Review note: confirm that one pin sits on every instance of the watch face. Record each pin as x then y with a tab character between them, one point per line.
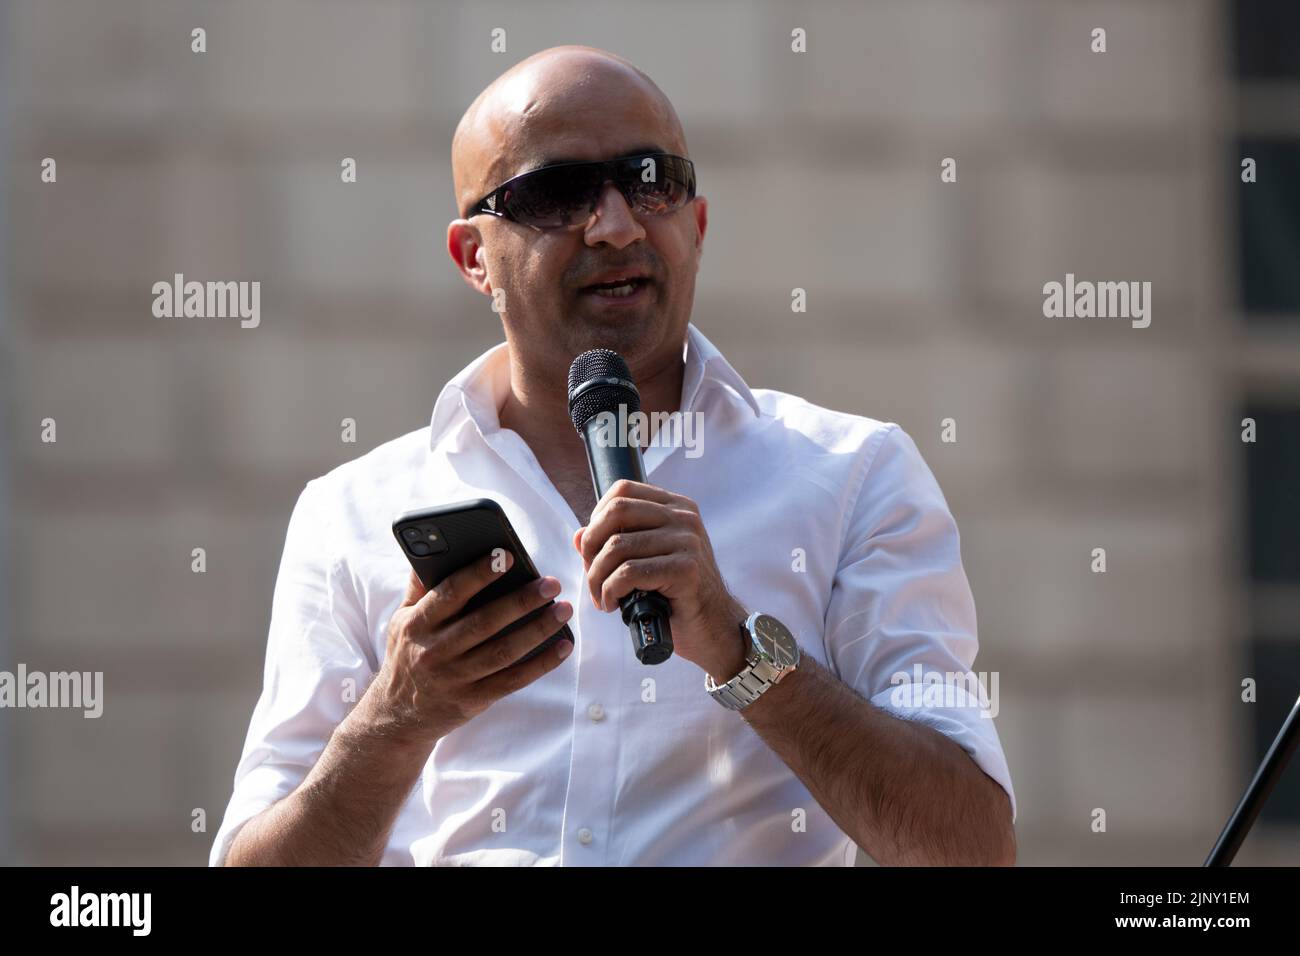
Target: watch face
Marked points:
775	641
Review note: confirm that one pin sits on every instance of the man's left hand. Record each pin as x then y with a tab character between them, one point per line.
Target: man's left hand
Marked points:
641	537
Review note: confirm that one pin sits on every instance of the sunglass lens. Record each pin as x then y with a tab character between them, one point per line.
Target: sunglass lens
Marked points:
657	184
552	197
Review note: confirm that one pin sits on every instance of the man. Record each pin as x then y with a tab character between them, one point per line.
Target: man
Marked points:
793	524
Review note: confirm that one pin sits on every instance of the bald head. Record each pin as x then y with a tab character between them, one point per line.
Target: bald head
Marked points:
564	103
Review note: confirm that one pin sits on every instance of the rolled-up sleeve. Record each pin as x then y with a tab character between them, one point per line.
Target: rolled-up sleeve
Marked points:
900	624
316	666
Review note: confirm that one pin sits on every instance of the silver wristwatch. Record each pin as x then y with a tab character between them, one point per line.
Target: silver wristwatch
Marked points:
773	653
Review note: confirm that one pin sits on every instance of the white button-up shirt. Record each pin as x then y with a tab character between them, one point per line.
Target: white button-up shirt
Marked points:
828	521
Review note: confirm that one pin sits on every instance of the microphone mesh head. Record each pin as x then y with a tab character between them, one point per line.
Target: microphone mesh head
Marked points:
596	364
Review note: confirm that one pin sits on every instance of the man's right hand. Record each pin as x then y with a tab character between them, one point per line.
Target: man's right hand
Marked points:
443	666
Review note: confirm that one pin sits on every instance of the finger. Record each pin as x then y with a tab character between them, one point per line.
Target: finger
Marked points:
664	574
627	488
448	599
520	675
500	652
415	589
626	545
490	619
621	514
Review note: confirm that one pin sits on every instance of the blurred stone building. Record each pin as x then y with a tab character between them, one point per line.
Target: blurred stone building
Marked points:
1119	691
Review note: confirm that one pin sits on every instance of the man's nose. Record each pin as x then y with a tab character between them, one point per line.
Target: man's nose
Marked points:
613	221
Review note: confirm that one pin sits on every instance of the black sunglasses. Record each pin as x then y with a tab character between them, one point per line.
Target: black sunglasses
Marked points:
566	194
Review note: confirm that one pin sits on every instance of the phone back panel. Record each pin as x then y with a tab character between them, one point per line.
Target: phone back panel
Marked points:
468	530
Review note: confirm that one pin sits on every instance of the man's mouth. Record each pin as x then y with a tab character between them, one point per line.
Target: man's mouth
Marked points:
617	288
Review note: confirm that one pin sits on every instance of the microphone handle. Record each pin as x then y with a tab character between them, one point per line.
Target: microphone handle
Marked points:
645	613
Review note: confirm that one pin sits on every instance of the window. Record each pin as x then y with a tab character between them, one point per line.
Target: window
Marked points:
1267	77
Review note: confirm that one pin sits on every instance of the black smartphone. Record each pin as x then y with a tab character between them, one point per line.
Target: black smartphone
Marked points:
438	541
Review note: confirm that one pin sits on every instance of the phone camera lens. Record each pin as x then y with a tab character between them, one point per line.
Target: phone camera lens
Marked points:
411	534
419	548
435	540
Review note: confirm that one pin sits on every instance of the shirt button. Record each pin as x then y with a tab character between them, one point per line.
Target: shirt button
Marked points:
584	836
596	712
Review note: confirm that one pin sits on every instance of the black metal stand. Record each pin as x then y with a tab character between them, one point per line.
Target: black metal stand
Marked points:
1266	778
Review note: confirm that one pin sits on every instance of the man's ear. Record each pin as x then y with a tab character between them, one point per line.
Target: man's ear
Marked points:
700	210
701	220
465	246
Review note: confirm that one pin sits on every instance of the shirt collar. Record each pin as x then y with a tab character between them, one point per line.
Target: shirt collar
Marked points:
479	389
704	363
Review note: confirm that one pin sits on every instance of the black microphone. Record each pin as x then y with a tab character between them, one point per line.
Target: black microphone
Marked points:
599	384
